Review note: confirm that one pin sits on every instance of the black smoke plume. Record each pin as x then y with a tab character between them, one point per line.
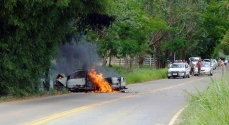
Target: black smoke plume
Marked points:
80	56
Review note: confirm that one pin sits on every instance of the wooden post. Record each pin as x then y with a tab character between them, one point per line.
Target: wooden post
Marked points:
150	61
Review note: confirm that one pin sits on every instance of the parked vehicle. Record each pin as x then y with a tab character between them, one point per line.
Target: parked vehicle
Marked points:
194	60
181	69
206	69
80	81
213	62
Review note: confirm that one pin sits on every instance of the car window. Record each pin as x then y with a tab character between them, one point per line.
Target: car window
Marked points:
206	60
186	65
177	65
205	64
214	61
194	58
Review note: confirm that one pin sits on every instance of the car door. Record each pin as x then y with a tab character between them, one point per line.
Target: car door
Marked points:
187	69
78	78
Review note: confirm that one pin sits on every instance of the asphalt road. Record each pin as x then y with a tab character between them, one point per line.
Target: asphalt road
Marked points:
150	103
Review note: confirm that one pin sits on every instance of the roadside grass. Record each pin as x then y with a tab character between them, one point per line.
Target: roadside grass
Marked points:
52	92
209	107
142	74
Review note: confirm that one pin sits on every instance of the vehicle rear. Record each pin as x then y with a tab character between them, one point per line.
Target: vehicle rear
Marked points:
194	60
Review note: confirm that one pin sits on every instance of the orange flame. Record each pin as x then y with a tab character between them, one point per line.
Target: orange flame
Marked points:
98	80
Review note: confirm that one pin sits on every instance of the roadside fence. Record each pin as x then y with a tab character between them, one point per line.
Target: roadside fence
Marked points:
147	61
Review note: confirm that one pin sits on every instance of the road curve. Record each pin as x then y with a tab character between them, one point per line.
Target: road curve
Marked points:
150	103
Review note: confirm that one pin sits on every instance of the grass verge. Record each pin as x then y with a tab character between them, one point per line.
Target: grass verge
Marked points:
209	107
52	92
142	74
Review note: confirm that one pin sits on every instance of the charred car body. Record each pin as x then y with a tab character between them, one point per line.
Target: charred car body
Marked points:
80	81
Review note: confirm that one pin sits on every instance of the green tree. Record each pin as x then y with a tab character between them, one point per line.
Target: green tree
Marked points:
223	47
127	37
216	24
183	18
30	33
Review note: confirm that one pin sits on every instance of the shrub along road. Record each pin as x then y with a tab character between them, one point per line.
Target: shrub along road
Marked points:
149	103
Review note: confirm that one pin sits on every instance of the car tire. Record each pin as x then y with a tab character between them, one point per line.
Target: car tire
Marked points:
184	76
168	77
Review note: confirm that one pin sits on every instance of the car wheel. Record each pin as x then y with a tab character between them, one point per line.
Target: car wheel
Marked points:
168	77
188	76
184	76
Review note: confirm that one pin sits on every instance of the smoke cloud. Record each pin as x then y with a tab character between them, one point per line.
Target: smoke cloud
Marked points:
80	56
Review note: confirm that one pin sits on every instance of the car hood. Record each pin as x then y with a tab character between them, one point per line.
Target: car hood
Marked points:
205	68
176	69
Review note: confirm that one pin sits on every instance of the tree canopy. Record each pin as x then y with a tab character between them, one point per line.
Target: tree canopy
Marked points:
31	32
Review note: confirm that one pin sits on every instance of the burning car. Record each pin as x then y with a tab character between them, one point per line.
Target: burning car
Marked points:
82	80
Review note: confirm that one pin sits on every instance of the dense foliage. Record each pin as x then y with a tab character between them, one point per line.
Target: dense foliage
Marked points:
30	34
31	31
216	24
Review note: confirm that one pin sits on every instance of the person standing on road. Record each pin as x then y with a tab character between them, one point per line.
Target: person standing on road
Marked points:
219	62
223	67
170	64
199	67
225	63
192	68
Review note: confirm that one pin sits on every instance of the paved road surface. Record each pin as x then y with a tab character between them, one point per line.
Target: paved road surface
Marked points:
149	103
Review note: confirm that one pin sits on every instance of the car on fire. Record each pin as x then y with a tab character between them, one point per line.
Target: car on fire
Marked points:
181	69
80	81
